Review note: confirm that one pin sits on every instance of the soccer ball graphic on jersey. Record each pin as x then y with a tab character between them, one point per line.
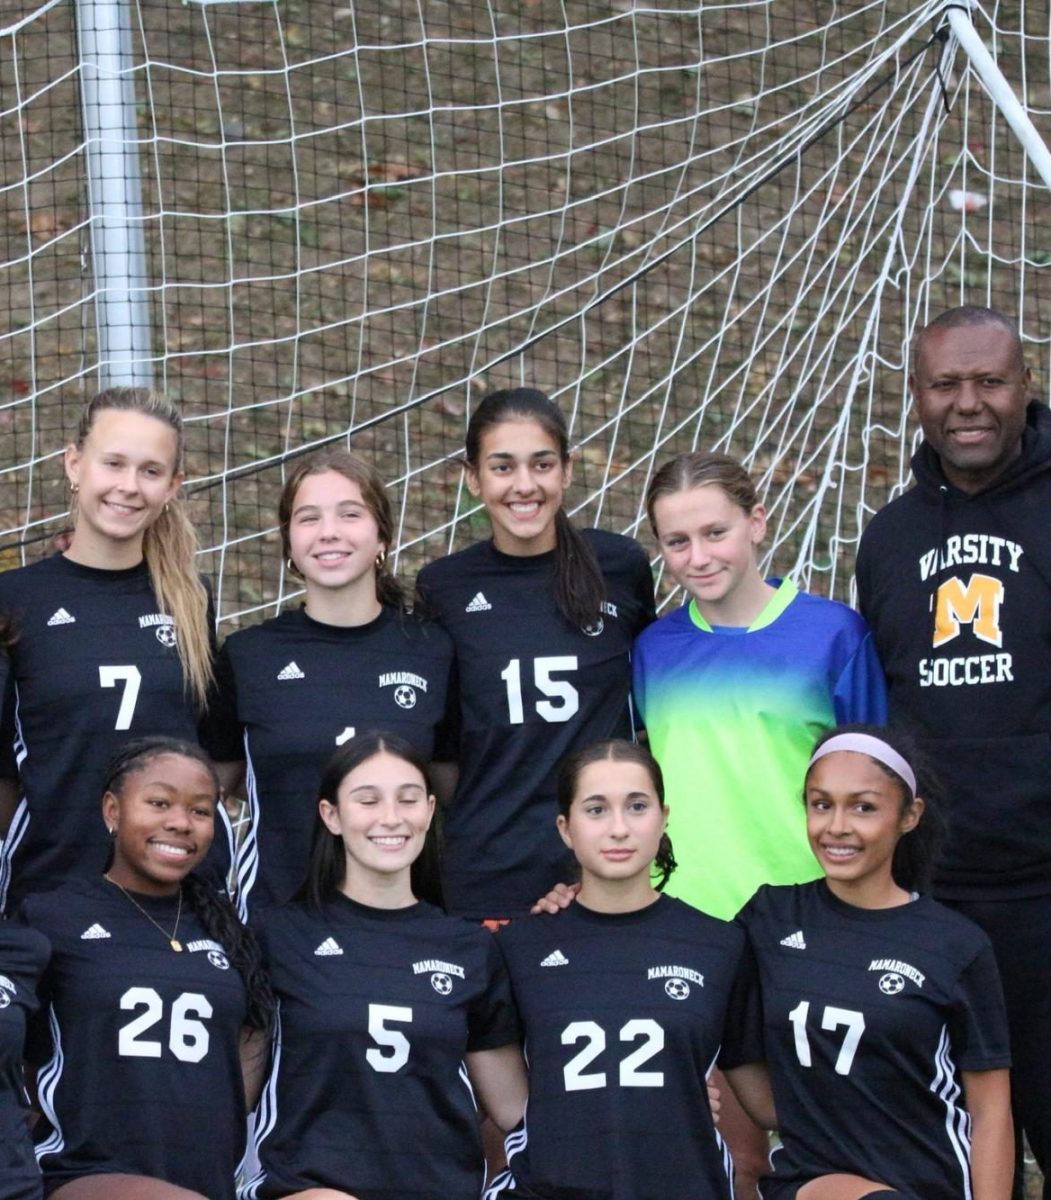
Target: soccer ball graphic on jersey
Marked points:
441	983
891	983
678	989
166	635
594	629
405	696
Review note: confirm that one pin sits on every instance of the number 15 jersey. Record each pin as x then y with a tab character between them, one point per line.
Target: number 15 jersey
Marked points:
869	1015
531	690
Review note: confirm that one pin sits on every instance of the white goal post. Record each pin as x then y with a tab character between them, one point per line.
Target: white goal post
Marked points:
695	224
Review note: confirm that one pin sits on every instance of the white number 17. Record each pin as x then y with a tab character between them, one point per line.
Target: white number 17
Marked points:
831	1019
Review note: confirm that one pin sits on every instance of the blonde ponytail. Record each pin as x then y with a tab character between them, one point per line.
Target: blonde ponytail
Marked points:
169	545
170	549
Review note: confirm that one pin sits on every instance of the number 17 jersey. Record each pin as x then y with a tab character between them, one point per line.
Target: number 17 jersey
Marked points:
532	689
869	1016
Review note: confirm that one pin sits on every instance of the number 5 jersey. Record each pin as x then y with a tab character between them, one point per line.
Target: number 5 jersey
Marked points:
869	1016
532	689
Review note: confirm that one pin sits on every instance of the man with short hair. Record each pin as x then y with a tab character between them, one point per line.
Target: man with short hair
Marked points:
955	579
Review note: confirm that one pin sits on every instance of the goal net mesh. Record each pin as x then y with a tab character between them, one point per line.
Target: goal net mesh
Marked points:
693	224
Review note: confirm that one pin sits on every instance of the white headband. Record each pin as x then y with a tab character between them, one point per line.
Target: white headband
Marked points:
874	747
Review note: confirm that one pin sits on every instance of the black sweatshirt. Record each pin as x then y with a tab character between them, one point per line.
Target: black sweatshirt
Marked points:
970	675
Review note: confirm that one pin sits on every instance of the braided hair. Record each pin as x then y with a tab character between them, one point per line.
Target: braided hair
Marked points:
211	906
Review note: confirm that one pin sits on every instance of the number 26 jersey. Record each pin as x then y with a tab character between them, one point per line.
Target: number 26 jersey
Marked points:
140	1073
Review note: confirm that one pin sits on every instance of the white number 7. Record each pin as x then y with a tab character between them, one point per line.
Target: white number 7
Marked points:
130	677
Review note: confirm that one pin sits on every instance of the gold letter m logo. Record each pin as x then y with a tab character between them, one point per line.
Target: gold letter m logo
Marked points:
977	605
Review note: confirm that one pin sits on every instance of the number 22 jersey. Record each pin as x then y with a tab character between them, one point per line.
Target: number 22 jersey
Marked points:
532	689
142	1073
869	1015
624	1015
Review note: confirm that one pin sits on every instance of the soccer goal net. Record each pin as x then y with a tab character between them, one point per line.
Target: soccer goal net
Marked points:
694	224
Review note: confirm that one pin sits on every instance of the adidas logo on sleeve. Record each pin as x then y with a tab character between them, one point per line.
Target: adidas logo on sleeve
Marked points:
555	959
479	604
795	941
291	672
61	617
328	948
94	933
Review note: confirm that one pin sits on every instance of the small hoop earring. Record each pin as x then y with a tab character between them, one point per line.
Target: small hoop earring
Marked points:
74	488
292	568
381	558
111	830
167	508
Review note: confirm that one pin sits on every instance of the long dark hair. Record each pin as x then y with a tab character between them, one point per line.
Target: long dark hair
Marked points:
212	908
918	852
617	750
328	859
578	584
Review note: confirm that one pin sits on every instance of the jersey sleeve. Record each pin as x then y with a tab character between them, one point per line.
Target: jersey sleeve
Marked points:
493	1019
743	1032
860	693
8	762
447	731
220	730
38	1046
644	593
978	1021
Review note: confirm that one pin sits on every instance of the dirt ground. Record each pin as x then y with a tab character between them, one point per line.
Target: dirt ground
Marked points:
474	183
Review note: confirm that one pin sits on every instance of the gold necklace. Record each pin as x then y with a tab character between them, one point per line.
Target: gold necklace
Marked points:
173	941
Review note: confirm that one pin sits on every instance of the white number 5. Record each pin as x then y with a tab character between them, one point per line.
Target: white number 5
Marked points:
394	1040
130	677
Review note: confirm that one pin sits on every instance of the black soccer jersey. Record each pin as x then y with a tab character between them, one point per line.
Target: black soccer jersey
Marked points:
94	665
23	956
368	1092
143	1073
869	1015
531	690
292	690
624	1015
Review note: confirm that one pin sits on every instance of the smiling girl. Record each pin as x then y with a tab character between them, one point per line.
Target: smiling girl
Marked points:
348	661
626	998
542	616
113	640
734	686
154	999
394	1018
883	1018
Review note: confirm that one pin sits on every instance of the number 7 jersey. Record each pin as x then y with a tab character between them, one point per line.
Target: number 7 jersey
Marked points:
869	1016
94	665
532	689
